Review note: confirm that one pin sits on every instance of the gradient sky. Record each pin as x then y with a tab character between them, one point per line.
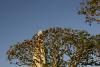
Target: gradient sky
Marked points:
21	19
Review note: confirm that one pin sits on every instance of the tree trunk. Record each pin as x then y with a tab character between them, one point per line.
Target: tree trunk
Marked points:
72	65
54	64
39	53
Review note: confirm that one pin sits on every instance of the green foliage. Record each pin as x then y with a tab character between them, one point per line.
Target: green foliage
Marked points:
21	53
91	10
78	45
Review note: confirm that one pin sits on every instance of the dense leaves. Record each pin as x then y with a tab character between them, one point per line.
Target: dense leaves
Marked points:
58	43
21	53
91	10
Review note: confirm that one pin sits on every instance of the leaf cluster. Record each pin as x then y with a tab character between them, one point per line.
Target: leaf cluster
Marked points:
78	45
91	10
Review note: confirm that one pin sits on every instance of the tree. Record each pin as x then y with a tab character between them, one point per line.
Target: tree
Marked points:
49	47
91	10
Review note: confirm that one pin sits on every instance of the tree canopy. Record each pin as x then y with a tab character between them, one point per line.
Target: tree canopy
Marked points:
80	47
91	10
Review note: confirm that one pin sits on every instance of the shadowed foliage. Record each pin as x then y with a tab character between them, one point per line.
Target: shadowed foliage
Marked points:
91	10
78	46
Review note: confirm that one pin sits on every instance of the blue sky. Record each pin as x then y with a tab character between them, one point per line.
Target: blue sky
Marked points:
21	19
